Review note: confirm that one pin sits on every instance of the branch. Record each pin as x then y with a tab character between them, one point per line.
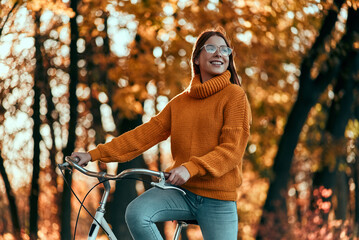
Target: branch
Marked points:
345	46
8	15
318	46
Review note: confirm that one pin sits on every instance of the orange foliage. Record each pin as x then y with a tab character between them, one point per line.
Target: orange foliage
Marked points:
270	38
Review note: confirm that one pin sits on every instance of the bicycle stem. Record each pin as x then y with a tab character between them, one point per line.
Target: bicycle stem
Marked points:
105	195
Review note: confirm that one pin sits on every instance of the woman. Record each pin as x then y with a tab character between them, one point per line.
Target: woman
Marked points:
209	128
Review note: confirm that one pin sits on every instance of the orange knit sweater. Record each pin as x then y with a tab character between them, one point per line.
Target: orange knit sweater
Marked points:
209	128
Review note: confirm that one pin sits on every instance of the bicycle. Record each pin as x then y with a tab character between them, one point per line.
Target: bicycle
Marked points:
98	220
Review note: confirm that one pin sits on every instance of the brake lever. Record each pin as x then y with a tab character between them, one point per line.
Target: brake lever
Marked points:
64	166
163	185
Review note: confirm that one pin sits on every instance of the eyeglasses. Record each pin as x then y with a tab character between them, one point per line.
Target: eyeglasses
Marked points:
224	50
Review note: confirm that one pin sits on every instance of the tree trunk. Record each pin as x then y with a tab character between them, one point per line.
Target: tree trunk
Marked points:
307	97
38	82
342	191
356	163
308	94
343	114
125	192
331	177
356	183
73	101
12	201
94	75
51	111
339	115
51	117
126	189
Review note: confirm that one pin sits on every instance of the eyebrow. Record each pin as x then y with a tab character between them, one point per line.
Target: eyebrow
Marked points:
216	45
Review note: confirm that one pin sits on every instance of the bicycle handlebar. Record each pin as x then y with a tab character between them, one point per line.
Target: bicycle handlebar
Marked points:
72	161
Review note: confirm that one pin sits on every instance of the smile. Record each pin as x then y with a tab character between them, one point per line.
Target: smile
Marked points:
216	62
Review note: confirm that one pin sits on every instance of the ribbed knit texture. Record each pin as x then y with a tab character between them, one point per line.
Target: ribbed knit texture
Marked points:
209	128
210	87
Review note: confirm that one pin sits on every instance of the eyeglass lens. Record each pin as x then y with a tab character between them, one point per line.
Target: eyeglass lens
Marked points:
224	50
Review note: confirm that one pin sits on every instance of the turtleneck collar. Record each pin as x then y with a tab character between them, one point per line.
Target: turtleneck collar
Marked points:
197	89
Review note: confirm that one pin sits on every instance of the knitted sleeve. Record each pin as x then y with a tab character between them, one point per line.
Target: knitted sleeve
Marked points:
134	142
233	141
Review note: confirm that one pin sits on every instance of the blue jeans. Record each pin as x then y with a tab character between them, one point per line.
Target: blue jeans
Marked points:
218	219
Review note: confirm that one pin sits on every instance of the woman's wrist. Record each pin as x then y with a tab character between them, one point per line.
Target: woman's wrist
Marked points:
95	154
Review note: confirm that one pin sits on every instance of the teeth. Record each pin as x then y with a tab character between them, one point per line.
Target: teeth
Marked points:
216	63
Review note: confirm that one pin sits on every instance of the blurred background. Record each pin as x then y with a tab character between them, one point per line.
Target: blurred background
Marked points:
76	73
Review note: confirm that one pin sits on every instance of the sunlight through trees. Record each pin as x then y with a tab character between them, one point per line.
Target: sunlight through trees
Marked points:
75	73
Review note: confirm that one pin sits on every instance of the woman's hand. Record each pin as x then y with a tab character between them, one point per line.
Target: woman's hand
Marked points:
83	156
179	176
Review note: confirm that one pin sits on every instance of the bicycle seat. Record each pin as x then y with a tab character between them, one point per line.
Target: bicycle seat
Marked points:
194	222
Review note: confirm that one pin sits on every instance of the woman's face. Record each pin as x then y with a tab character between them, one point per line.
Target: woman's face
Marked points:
212	64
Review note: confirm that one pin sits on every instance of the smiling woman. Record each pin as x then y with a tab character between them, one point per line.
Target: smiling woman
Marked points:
219	40
209	128
215	60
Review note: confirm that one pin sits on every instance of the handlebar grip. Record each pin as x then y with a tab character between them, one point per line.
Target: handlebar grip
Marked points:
72	159
67	164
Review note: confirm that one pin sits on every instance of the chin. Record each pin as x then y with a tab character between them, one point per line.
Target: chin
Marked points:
218	72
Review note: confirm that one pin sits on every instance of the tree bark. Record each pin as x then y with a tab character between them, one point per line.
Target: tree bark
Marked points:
38	82
12	201
73	101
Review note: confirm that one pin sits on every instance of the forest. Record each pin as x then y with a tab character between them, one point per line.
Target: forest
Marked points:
77	73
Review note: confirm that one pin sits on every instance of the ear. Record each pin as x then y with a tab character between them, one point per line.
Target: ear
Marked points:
196	61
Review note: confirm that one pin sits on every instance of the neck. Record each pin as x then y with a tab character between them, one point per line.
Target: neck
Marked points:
205	77
202	89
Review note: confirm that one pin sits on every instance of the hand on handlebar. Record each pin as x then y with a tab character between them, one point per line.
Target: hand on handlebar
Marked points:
83	156
179	176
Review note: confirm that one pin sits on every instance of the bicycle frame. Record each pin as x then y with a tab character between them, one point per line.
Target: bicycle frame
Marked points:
99	220
99	216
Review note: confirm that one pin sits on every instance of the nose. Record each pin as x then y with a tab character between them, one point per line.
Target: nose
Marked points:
217	52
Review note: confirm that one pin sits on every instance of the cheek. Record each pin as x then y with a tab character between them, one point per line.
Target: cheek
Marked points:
227	64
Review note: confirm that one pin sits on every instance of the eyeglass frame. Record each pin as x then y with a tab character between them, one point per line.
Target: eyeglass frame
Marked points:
217	48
